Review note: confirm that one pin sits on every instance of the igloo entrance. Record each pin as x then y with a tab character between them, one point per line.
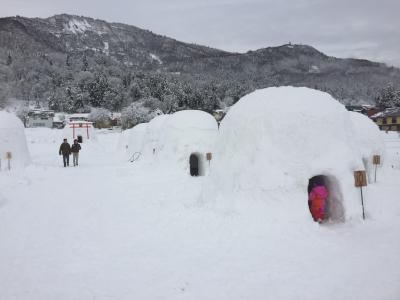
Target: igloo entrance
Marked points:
333	210
195	165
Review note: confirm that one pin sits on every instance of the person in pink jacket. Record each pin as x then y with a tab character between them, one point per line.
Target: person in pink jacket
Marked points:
317	202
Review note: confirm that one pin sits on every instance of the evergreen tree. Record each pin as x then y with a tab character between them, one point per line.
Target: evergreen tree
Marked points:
9	59
85	63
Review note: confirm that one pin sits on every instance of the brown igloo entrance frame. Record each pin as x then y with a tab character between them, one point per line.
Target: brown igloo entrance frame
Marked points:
334	206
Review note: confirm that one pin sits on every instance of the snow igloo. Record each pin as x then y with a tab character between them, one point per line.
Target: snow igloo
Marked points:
369	141
13	140
131	142
180	142
274	144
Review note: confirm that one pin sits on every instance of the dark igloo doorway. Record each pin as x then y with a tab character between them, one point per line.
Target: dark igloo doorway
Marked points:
334	210
195	165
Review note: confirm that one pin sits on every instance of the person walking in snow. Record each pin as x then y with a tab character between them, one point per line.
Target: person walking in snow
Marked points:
75	152
65	151
317	202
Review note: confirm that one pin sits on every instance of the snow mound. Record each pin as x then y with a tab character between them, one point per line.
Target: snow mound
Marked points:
273	141
12	139
131	141
369	140
151	141
171	140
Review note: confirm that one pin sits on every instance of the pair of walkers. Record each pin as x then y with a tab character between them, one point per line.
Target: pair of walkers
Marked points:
66	150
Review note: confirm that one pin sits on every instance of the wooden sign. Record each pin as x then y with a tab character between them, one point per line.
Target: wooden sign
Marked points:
376	159
360	178
209	156
8	155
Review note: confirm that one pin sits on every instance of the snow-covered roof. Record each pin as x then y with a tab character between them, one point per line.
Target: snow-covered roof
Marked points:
389	112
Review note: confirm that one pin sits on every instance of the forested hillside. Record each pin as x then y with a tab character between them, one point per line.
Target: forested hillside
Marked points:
72	63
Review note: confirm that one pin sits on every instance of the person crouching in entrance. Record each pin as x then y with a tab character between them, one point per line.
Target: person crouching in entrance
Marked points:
317	201
75	152
65	151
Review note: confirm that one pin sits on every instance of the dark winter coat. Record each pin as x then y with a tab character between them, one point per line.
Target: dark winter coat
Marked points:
75	148
65	149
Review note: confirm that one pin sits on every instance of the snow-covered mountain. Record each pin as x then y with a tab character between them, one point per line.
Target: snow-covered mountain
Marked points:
126	46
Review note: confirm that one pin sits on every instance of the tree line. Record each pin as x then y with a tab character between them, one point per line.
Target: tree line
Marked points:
72	84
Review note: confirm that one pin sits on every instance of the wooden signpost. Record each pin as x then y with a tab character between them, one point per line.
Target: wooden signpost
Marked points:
9	157
360	180
376	160
209	157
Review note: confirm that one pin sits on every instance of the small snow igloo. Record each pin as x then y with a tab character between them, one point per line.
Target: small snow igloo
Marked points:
369	141
273	142
135	141
12	140
181	141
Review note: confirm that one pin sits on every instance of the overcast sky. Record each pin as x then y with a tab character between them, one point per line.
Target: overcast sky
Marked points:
344	28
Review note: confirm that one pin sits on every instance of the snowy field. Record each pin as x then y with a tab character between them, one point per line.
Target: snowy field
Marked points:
110	229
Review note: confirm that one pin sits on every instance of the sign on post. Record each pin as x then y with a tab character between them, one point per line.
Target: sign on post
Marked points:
360	180
209	156
9	157
376	160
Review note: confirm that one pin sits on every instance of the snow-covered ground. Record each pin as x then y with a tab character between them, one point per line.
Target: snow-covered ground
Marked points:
110	229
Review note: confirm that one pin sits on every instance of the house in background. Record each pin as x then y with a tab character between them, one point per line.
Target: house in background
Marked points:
59	121
115	118
77	118
40	118
367	110
388	120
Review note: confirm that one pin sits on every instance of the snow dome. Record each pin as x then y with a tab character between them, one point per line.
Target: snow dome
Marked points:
369	141
181	141
12	139
133	141
274	143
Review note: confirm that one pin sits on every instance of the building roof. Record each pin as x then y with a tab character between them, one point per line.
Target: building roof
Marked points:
389	112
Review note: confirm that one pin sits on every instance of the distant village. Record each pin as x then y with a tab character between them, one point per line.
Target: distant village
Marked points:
50	119
387	119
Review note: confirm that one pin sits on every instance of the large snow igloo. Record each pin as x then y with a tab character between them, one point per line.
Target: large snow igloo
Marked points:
12	139
369	141
179	142
271	145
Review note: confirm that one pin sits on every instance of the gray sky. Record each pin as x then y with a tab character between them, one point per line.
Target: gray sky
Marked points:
354	28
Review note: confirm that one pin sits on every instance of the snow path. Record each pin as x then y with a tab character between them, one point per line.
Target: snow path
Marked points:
107	230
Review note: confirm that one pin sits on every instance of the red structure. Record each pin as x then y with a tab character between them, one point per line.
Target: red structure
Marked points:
86	125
